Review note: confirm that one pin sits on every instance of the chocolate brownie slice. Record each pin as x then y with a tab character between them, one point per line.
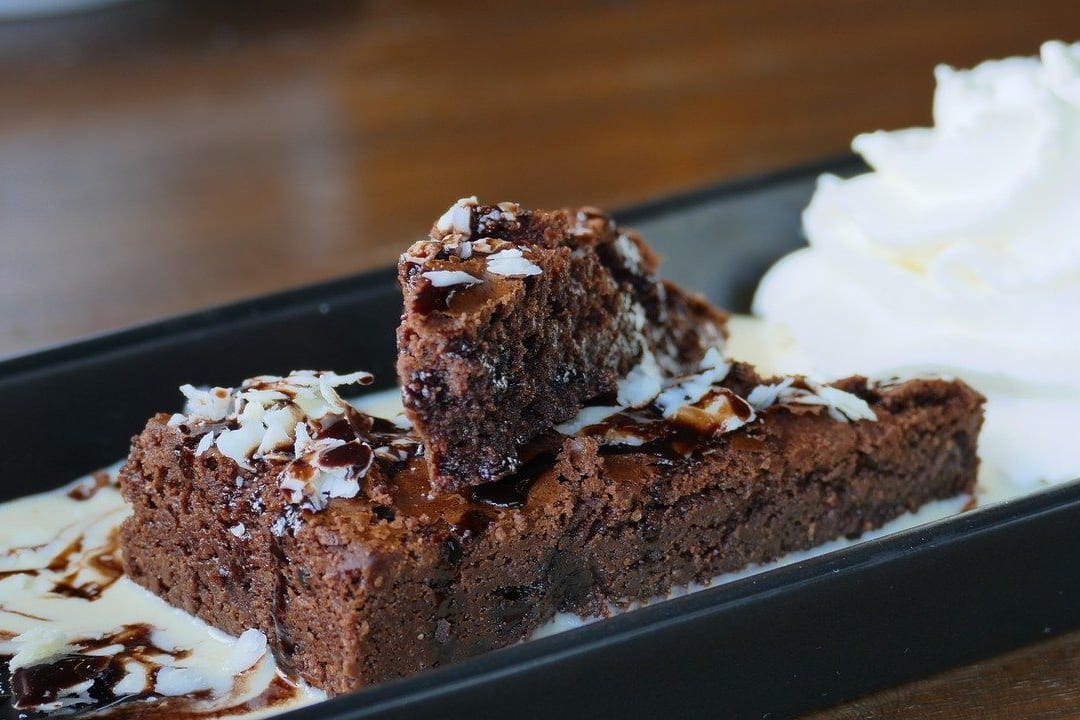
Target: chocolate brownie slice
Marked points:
280	507
515	318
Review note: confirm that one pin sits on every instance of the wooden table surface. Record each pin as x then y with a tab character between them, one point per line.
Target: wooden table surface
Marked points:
162	156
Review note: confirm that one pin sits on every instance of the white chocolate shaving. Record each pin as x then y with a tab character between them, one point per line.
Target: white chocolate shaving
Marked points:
205	443
275	417
840	404
642	384
449	278
212	404
688	391
511	263
458	218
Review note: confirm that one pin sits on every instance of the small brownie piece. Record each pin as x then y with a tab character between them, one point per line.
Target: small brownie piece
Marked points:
514	319
278	506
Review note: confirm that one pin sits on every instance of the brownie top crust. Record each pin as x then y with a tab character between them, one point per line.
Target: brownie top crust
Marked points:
314	449
514	319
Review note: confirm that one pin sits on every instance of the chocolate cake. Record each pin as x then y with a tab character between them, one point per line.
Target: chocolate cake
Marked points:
280	507
515	318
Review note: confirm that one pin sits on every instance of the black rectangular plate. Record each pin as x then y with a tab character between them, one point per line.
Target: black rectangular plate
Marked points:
774	645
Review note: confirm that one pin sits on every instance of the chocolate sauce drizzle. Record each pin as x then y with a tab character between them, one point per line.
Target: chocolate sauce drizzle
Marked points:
105	561
88	489
37	685
84	677
688	433
282	642
513	491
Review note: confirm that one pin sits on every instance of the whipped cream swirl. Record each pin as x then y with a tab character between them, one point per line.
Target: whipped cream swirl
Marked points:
958	253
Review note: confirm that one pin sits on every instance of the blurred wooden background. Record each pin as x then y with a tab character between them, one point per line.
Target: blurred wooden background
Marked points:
162	156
